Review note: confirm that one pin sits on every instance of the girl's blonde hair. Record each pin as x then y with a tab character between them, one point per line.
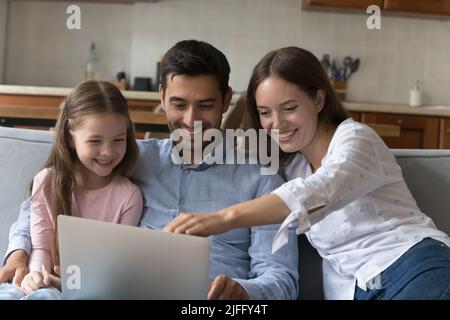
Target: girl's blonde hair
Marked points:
87	98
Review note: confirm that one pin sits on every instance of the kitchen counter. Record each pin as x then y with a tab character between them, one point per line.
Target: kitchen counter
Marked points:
38	107
438	111
55	91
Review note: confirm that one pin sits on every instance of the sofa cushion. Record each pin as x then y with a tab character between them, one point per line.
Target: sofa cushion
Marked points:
22	153
427	174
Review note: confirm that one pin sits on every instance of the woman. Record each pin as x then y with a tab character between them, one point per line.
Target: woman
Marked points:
344	190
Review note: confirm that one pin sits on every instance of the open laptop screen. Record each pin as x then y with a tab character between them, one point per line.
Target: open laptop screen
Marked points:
101	260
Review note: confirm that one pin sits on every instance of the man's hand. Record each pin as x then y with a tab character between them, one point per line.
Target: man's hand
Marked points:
15	268
225	288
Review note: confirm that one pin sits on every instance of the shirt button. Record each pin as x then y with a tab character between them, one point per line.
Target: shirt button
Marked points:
181	201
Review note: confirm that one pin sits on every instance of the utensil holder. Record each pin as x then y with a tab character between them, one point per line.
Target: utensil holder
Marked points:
340	87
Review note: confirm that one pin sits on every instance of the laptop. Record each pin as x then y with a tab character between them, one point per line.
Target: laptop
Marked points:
101	260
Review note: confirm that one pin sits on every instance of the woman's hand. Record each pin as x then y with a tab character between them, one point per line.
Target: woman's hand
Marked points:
202	224
268	209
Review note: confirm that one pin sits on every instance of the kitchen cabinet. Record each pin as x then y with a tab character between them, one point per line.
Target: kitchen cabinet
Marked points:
418	6
41	112
55	101
441	7
355	115
351	4
444	134
405	131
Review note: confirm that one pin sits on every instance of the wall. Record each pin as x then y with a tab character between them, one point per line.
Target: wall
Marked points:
133	37
42	51
3	15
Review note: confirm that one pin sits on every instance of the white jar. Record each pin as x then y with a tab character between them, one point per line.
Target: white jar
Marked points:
415	96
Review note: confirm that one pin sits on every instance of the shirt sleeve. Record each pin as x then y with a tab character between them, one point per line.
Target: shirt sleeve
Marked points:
133	210
41	225
271	276
19	233
351	169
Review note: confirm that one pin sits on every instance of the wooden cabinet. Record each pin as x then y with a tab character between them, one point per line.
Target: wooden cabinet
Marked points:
355	115
405	131
351	4
441	7
41	112
444	134
418	6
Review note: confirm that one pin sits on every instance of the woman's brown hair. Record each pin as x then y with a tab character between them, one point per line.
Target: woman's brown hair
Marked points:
300	67
87	98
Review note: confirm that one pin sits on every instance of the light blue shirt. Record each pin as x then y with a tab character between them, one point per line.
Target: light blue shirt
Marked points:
170	189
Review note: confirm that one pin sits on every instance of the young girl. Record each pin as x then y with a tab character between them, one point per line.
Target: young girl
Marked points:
345	191
85	176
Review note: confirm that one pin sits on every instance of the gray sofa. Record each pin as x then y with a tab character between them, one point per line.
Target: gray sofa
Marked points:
22	152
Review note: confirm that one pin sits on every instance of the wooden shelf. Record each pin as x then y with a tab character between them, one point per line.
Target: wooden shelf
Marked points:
10	114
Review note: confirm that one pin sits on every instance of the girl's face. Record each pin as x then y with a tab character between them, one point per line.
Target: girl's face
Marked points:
100	141
282	105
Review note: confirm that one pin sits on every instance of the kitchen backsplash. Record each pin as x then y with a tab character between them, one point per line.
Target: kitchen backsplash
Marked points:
3	11
39	51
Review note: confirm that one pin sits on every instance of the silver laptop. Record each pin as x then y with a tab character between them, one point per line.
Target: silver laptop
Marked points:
101	260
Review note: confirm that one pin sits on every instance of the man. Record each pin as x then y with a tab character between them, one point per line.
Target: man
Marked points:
194	88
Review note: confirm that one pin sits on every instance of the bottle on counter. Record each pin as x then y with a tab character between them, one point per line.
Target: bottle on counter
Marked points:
91	71
415	95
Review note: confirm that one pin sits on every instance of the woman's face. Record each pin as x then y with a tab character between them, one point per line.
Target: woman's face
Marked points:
282	105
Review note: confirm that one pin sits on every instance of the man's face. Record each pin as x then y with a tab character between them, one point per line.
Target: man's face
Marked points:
193	98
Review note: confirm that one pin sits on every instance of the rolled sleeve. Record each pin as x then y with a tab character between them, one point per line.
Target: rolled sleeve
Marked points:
251	286
19	233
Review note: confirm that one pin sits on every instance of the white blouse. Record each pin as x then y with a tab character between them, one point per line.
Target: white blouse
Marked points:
369	217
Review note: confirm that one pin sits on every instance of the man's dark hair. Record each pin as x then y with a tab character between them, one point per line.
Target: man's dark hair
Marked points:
193	58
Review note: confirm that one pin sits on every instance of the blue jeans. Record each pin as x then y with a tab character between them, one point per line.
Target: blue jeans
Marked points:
421	273
10	291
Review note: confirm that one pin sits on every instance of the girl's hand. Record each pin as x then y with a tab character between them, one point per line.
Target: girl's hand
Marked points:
51	280
32	281
203	224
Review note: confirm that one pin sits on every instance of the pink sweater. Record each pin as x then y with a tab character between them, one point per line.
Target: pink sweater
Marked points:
118	202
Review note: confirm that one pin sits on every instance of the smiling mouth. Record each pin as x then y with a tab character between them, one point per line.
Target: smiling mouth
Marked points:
104	163
192	133
286	135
